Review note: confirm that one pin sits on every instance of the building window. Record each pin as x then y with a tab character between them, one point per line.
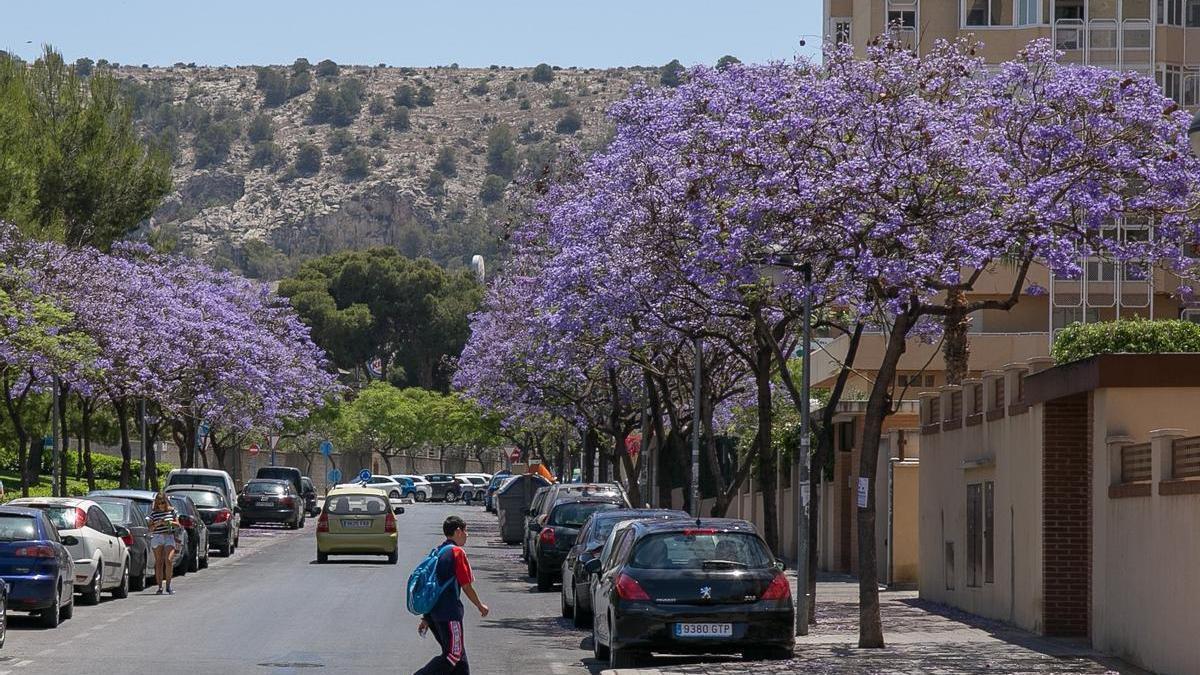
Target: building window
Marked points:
904	18
1027	12
839	29
998	393
982	13
1170	78
989	541
974	534
1101	270
929	380
1170	12
845	436
1193	13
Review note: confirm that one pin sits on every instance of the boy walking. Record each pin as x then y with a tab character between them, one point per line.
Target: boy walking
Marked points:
445	619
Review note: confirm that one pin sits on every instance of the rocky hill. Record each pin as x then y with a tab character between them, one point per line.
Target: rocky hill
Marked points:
275	164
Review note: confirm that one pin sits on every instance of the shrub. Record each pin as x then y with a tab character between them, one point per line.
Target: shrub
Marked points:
405	96
299	84
308	160
524	104
378	105
324	104
339	140
301	65
1138	336
492	189
348	103
446	164
480	88
398	119
212	141
559	99
726	61
425	96
510	91
501	153
265	153
436	185
570	122
327	68
543	73
377	137
356	164
260	129
84	66
273	85
671	75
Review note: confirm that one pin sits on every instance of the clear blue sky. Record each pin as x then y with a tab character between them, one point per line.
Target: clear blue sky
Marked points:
404	32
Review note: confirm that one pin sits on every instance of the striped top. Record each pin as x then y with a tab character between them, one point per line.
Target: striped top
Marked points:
163	522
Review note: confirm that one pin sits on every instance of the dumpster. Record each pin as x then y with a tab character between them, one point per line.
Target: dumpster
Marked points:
513	500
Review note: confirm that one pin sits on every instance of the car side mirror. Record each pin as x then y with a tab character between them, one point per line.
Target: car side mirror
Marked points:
121	530
780	564
592	566
398	510
69	540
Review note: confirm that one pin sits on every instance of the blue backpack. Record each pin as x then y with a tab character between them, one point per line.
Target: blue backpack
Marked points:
423	586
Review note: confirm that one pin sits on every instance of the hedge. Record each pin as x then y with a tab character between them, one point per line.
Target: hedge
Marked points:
1132	336
106	467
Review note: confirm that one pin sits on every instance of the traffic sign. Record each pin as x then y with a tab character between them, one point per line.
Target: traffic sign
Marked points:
48	442
253	449
335	475
272	441
364	475
202	429
515	455
326	448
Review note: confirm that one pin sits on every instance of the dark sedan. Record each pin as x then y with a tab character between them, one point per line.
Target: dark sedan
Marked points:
494	485
131	515
576	582
36	567
265	500
445	486
219	517
310	496
145	498
197	532
558	531
690	587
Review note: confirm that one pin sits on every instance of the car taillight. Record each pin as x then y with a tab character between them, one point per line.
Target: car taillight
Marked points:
128	539
629	589
287	501
547	536
323	522
36	551
389	522
80	518
779	589
691	532
222	516
186	521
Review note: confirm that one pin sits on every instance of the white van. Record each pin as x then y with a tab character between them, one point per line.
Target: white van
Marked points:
210	477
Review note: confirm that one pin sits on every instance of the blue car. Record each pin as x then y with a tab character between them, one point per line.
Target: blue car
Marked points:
494	485
407	487
37	568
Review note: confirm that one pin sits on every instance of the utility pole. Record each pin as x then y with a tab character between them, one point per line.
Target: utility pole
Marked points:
55	455
804	486
144	474
696	426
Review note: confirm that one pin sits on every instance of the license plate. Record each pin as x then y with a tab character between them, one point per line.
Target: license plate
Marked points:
356	523
264	502
703	630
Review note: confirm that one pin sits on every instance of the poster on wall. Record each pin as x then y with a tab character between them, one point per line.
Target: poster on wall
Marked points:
863	488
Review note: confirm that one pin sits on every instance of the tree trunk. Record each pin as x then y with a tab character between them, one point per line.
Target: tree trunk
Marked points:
387	461
589	455
767	468
870	627
956	349
89	467
120	407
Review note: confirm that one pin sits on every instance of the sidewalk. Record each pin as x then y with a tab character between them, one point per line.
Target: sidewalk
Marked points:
921	637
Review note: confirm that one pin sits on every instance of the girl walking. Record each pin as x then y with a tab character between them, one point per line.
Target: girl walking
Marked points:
164	522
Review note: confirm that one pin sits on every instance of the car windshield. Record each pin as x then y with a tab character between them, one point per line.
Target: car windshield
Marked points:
700	549
63	517
574	514
15	527
194	479
116	512
344	505
202	497
264	489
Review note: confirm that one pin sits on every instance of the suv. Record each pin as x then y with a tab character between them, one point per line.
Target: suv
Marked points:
209	477
559	531
310	496
289	473
546	498
444	486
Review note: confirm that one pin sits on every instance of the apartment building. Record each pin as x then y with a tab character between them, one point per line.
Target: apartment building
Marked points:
1159	37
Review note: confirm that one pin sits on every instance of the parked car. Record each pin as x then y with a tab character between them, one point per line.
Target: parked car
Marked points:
101	556
407	487
265	500
558	532
309	492
132	516
493	485
443	486
727	593
473	486
422	490
38	571
289	473
386	484
357	520
192	522
210	477
146	499
222	523
576	600
545	499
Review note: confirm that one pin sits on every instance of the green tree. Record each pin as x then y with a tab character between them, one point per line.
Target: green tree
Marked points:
378	105
569	123
398	119
559	99
446	163
405	96
324	105
84	66
671	74
435	186
348	102
492	189
501	151
726	61
265	154
339	140
301	65
261	128
356	164
212	142
425	96
308	160
274	86
327	68
542	73
299	83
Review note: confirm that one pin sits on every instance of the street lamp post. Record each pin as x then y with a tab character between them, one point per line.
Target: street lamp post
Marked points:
699	355
804	487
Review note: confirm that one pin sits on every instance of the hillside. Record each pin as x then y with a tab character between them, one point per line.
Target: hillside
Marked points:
246	196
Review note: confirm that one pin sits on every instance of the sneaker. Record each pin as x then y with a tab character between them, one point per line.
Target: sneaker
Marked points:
158	592
169	591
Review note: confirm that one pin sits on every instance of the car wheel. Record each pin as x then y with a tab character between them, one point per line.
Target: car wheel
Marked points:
322	557
393	495
91	594
568	612
622	657
421	496
598	650
226	550
580	618
193	563
122	589
530	566
68	610
545	581
451	497
204	560
50	616
137	582
393	557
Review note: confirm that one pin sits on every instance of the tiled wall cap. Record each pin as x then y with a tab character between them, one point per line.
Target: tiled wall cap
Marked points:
1168	433
1039	363
950	388
1119	439
972	380
1015	366
989	374
928	395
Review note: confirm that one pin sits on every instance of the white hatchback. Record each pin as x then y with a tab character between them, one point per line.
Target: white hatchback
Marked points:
424	491
99	547
385	483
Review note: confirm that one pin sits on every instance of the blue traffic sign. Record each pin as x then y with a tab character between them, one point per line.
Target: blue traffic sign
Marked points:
48	442
203	429
335	475
326	448
364	475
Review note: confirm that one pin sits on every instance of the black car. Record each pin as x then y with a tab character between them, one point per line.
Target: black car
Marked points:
544	500
445	486
558	532
576	582
289	473
221	519
271	501
183	559
309	492
690	587
131	515
38	571
192	522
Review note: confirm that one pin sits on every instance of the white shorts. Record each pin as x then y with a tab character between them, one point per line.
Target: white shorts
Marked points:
162	539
